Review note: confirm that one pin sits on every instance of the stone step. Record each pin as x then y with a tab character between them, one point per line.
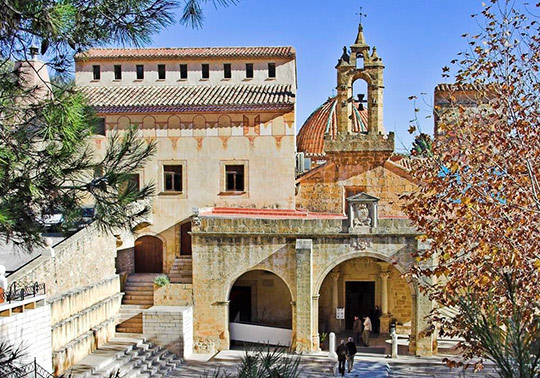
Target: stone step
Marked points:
139	302
121	329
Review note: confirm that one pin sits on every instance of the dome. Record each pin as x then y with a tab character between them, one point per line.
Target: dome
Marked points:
310	138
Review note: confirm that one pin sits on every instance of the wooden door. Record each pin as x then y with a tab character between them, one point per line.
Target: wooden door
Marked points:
185	239
148	255
359	300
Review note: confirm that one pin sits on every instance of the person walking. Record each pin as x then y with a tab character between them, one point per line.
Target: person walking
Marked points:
357	328
341	352
351	351
367	329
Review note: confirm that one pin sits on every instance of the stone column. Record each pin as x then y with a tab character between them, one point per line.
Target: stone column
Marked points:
304	296
385	318
335	300
315	322
384	292
426	344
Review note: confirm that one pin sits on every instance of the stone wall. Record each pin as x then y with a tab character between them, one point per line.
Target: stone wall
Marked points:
84	293
85	258
174	295
82	320
30	329
125	261
324	188
170	327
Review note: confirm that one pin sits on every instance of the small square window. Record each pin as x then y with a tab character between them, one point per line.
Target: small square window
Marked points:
227	71
271	70
133	182
234	178
97	72
140	71
117	72
249	70
161	71
99	128
205	71
183	71
172	178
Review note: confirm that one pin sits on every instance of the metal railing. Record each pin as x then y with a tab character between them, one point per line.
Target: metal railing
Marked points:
31	370
16	293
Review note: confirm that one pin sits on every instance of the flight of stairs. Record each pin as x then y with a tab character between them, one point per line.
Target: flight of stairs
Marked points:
182	270
131	357
138	295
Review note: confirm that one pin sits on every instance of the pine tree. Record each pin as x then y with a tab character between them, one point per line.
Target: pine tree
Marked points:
46	162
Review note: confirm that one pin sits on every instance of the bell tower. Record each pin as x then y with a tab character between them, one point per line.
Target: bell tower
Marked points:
360	62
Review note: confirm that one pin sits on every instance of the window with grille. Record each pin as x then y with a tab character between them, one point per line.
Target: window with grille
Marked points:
140	71
271	70
227	71
117	72
97	72
205	71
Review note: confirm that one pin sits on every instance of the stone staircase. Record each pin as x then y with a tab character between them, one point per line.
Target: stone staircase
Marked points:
138	295
182	270
131	357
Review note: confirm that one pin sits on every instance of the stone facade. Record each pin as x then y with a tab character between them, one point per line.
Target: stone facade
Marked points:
171	327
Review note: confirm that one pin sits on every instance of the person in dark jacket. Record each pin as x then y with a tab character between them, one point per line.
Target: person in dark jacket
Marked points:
341	352
357	328
351	351
375	318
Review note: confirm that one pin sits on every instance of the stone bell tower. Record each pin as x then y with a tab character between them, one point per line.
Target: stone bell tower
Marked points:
360	62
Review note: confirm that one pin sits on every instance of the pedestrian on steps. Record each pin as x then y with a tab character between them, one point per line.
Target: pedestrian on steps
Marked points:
351	351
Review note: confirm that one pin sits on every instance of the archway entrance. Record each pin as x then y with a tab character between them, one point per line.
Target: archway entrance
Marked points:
260	309
364	286
148	255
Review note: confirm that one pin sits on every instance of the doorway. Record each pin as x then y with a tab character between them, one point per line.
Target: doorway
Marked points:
240	304
148	255
359	300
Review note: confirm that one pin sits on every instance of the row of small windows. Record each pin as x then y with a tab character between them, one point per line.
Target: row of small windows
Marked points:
172	178
205	68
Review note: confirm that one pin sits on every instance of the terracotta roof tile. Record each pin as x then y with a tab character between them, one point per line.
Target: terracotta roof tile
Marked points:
188	53
323	120
231	212
186	98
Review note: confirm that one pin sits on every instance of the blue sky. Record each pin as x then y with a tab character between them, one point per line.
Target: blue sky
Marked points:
414	38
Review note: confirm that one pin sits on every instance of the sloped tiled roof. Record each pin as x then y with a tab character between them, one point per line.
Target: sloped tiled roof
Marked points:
189	98
310	138
188	52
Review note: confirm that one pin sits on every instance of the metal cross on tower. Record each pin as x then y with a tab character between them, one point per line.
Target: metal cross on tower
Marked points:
361	14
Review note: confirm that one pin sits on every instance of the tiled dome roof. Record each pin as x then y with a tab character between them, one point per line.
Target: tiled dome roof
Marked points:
310	138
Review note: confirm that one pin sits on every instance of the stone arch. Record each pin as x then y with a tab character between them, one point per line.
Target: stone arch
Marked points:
235	278
258	299
350	256
149	122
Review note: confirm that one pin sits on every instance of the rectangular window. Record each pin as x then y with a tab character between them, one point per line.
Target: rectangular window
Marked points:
172	178
140	71
249	70
99	128
97	72
161	71
133	182
117	72
271	70
234	178
183	71
205	71
227	71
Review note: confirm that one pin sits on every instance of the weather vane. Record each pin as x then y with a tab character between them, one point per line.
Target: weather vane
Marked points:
361	14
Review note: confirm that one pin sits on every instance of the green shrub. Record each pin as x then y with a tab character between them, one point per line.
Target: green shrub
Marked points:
161	281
